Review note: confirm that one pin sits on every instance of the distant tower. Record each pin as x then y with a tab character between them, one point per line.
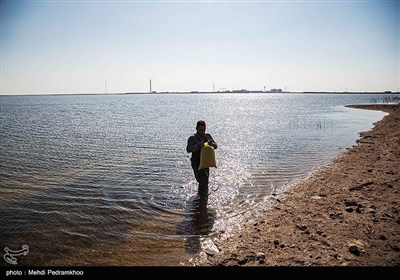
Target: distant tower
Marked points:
105	87
264	88
213	87
150	86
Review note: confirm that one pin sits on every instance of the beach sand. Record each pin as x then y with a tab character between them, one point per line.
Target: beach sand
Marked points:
344	214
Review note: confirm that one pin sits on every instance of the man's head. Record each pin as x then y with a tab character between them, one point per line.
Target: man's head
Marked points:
201	127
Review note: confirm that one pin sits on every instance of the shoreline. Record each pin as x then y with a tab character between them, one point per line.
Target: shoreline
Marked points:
347	213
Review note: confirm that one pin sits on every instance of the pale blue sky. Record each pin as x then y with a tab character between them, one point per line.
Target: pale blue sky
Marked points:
74	46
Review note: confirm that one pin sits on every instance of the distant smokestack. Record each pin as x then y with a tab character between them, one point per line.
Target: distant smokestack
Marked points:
150	87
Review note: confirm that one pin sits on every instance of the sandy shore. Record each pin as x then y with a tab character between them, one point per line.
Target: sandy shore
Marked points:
345	214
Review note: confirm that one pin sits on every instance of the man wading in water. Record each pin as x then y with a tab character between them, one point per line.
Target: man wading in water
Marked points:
194	145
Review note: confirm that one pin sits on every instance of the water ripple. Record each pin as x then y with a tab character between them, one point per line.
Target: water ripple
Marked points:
109	176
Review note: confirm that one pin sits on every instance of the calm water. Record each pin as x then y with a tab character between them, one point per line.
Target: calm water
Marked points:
97	180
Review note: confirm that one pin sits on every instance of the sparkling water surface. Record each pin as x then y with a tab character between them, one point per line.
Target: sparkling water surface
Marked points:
106	179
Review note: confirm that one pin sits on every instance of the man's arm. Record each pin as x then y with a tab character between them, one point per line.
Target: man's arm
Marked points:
192	146
213	143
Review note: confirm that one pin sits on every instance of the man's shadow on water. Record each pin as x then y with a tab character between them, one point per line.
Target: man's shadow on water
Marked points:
198	220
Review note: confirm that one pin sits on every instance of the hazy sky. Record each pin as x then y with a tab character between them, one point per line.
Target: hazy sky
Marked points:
74	46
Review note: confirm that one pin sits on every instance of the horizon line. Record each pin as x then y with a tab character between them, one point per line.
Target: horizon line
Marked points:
209	92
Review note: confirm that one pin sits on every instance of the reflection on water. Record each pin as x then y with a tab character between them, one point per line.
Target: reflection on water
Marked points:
198	221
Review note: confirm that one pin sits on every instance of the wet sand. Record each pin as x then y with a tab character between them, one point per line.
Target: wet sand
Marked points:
344	214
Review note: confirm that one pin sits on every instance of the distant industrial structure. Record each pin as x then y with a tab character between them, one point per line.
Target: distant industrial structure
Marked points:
151	90
224	89
243	90
214	90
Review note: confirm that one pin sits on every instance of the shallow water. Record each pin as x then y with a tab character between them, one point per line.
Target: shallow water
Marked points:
105	179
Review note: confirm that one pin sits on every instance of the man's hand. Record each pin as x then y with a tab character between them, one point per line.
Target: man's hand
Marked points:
201	144
211	143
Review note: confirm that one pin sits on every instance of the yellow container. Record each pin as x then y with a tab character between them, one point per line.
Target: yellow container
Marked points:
207	157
